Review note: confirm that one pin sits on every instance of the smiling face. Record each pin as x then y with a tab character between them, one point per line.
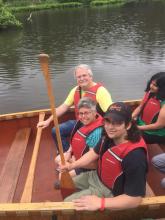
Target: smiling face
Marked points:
116	131
83	77
86	115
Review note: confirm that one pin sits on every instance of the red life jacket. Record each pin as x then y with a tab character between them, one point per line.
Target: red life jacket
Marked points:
109	165
91	92
151	108
78	140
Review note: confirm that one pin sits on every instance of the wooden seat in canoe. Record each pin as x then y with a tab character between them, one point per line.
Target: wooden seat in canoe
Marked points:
11	168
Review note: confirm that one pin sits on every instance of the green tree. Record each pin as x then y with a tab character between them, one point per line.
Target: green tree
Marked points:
7	19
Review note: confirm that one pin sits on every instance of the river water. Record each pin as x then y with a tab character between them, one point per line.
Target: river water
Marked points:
124	46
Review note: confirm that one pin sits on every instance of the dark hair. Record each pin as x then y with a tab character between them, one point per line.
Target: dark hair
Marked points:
133	134
160	82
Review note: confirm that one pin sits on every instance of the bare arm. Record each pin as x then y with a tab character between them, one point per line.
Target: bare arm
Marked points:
59	111
160	123
136	111
115	203
86	159
92	165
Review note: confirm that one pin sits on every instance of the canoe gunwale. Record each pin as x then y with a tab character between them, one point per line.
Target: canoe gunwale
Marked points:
49	208
32	113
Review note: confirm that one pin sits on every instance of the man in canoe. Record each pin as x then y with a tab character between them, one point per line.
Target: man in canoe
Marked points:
86	87
85	135
120	179
150	113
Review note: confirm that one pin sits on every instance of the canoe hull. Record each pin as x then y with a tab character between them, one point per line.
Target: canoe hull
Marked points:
46	201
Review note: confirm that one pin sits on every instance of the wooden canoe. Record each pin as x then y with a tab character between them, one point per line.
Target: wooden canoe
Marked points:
17	139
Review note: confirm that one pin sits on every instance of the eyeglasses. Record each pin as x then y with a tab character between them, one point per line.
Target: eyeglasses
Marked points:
81	114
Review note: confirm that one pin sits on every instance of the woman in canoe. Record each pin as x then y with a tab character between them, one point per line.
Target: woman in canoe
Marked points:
85	135
120	179
150	113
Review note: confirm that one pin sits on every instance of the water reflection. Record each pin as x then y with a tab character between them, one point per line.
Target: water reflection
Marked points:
124	46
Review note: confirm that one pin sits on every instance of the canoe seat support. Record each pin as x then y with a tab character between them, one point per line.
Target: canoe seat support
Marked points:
149	191
12	166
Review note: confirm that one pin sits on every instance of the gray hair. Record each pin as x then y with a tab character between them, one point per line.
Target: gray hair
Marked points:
87	102
84	66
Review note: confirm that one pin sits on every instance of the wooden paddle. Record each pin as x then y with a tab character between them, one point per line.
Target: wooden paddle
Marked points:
27	193
66	182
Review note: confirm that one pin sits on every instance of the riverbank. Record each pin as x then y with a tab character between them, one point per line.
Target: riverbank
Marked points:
16	6
9	8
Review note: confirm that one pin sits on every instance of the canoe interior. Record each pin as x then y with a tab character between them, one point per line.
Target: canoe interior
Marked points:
45	175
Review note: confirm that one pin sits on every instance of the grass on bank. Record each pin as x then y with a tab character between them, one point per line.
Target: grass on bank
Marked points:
26	5
45	6
107	2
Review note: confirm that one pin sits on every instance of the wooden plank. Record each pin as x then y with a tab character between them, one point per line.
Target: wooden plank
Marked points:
16	115
61	206
11	169
28	189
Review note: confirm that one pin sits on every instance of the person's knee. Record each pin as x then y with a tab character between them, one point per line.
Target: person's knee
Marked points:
163	183
68	199
61	129
158	160
154	161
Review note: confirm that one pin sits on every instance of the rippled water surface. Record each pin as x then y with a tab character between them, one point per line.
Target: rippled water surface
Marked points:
124	47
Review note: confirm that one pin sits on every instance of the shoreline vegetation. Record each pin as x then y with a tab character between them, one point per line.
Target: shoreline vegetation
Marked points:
9	8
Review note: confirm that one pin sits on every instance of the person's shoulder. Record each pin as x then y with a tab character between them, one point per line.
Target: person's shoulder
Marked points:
72	91
136	156
70	98
102	90
96	133
101	86
137	152
74	88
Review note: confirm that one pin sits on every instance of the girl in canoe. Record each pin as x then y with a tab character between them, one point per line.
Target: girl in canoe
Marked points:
150	113
120	179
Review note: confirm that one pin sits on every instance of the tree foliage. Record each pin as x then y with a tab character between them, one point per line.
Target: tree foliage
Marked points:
7	19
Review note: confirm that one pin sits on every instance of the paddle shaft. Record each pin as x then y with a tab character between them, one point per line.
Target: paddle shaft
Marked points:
27	193
66	182
44	65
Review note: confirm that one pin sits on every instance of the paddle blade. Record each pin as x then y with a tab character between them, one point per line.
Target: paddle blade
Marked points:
66	184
